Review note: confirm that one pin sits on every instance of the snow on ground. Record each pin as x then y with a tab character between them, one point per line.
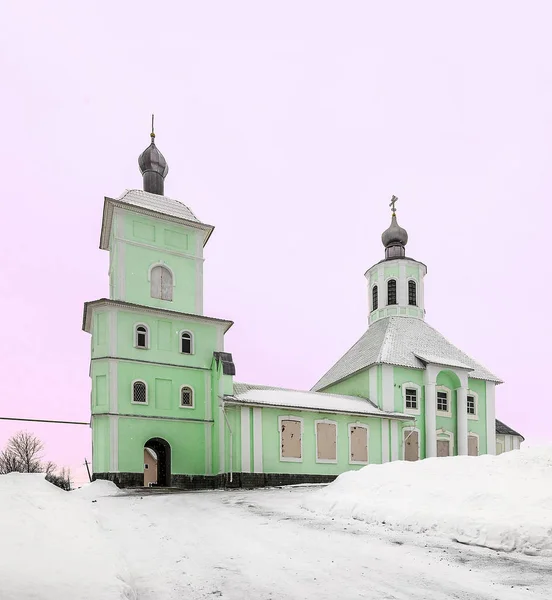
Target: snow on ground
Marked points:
97	489
51	546
501	502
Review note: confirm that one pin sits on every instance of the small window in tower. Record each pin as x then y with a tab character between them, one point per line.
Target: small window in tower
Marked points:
411	398
471	405
186	343
392	291
186	397
141	336
139	392
375	297
412	293
161	283
442	401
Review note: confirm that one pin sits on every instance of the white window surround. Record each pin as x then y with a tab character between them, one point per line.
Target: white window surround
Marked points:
290	418
322	460
396	280
180	396
364	426
136	325
410	429
132	393
476	400
444	434
408	280
444	413
166	266
475	435
192	348
371	299
414	386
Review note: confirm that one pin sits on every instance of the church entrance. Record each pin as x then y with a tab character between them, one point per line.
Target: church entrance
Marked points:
411	445
157	458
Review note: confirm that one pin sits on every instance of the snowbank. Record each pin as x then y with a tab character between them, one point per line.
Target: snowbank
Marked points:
501	502
52	547
97	489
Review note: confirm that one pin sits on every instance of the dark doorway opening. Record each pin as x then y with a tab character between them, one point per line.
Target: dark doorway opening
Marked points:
163	453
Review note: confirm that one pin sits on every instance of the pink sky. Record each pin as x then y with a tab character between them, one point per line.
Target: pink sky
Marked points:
287	125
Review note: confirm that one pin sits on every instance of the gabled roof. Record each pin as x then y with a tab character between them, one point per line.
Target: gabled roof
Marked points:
405	342
503	429
152	204
263	395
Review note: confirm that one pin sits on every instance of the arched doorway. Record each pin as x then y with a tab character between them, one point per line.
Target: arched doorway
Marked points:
161	452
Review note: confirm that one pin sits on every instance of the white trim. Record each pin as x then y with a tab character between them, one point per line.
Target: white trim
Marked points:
132	393
388	389
408	280
192	342
322	460
444	434
371	298
418	388
402	291
114	443
364	426
113	387
475	435
147	346
475	395
257	440
410	428
448	412
394	440
290	418
384	441
113	333
161	263
490	411
186	385
245	439
396	279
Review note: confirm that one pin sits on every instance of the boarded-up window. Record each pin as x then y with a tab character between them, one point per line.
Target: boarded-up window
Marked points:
161	283
473	446
359	444
290	438
443	448
411	445
326	441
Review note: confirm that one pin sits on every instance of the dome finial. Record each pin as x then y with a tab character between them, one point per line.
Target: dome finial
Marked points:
394	238
153	166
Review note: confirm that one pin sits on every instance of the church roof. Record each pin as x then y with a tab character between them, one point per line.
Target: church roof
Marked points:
149	203
404	342
503	429
263	395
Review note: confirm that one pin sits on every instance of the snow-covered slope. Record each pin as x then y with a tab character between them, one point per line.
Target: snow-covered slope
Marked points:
52	548
501	502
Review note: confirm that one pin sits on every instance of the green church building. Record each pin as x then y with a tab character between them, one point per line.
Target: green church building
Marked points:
167	411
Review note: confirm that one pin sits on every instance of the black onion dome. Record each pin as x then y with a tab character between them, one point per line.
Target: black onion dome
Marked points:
394	234
154	168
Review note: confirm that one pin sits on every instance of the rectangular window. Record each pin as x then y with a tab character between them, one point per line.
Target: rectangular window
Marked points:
411	398
442	401
471	405
290	439
326	441
358	451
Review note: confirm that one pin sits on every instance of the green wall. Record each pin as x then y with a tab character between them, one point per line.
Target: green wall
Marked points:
356	385
479	425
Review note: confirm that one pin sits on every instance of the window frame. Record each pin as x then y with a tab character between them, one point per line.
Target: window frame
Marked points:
132	401
410	281
439	412
331	461
475	416
173	285
146	327
375	304
349	429
188	386
418	388
410	429
192	348
290	418
394	279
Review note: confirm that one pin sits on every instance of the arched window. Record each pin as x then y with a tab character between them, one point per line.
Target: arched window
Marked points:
392	291
186	397
374	297
141	336
186	342
412	293
161	283
139	392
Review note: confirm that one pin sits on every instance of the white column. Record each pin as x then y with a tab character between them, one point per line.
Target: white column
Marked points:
245	440
394	440
384	440
430	419
373	385
491	417
387	388
402	291
462	420
257	440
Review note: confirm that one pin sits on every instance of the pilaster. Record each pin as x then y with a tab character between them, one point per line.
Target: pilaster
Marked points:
491	416
462	415
430	377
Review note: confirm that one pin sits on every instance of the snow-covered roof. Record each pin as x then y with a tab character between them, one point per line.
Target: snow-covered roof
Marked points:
405	342
503	429
147	202
262	395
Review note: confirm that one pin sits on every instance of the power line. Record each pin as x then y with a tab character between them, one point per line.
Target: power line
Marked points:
44	421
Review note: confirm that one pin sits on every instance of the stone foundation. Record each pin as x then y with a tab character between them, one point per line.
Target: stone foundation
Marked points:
211	482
